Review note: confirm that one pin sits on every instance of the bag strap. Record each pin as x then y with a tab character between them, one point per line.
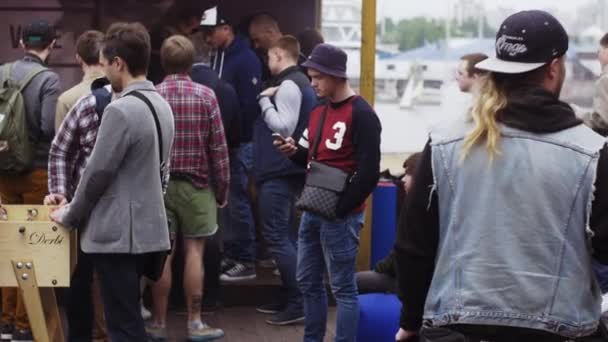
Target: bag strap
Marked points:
103	97
30	77
319	132
156	121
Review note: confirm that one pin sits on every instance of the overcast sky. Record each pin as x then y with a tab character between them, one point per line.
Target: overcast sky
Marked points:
439	8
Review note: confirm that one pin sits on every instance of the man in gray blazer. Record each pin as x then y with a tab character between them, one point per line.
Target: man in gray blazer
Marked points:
118	205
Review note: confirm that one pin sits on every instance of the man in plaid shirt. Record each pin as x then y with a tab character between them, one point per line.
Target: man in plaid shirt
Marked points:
68	156
200	174
71	149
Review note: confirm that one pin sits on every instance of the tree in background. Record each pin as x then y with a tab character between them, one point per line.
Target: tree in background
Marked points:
470	29
412	33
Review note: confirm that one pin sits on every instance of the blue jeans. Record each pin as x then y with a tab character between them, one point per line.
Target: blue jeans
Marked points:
237	217
331	245
277	201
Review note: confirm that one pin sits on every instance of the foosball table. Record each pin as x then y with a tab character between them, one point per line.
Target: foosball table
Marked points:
37	256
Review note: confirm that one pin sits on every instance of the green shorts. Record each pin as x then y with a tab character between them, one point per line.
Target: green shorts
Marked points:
191	210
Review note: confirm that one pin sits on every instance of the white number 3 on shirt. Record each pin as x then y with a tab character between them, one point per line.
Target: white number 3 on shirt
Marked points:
340	128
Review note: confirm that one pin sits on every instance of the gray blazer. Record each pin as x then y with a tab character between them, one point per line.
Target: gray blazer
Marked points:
118	203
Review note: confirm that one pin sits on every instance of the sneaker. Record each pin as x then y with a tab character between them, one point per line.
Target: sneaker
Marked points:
276	272
287	317
226	264
145	313
239	272
271	308
201	332
6	332
22	335
156	333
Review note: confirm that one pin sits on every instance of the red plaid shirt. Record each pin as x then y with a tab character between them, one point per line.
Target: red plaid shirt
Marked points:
72	147
199	153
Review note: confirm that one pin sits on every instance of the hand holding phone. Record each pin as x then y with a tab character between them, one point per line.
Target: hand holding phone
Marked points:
287	146
278	139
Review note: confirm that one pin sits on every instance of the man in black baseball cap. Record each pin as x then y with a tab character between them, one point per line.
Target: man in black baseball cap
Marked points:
527	41
509	207
38	35
40	91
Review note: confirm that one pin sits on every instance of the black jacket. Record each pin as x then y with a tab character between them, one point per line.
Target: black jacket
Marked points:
226	99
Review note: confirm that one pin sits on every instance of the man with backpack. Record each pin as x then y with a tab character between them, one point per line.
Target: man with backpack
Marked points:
28	97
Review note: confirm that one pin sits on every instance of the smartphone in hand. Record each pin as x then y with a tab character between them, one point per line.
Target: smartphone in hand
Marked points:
278	139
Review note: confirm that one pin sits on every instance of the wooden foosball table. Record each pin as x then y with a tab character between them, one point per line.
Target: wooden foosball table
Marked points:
37	256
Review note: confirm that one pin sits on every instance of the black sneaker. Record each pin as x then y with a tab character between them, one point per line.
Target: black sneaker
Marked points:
287	317
271	308
226	264
239	272
6	332
21	335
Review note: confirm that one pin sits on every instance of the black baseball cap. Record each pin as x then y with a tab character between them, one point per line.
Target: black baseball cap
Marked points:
38	32
327	59
214	17
526	41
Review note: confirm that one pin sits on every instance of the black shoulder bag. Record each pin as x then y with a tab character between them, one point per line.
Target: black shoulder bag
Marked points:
154	262
324	184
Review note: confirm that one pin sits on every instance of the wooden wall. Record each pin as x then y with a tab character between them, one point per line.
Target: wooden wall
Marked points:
72	17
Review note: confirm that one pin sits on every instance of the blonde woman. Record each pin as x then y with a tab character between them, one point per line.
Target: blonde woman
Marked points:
495	242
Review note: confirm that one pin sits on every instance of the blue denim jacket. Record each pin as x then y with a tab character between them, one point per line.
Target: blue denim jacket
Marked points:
513	245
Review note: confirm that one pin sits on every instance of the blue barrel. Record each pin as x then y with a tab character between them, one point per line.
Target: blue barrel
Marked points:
384	221
379	315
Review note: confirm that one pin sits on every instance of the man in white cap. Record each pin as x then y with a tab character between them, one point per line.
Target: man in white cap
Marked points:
236	63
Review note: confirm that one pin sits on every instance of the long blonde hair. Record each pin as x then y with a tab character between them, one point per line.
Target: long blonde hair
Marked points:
486	106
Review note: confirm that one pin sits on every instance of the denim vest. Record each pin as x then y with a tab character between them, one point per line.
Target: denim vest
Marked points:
513	243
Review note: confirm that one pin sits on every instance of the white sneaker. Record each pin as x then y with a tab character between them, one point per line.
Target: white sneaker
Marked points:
199	331
145	313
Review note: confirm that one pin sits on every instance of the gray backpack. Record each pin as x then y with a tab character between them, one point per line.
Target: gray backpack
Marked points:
16	147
